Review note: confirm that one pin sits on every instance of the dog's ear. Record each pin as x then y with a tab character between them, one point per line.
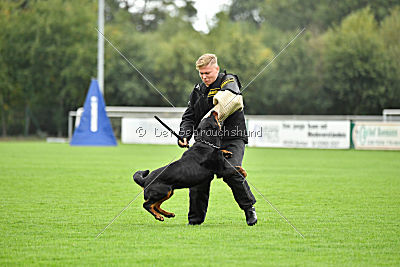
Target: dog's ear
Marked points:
215	115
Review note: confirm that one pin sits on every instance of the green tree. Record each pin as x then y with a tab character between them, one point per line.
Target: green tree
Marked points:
164	57
147	15
178	47
5	83
315	15
49	51
290	84
65	49
124	86
239	47
246	11
355	66
15	50
390	33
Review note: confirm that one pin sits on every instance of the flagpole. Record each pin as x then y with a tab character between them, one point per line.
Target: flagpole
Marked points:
100	47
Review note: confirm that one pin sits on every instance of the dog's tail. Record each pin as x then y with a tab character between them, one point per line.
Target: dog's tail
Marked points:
140	177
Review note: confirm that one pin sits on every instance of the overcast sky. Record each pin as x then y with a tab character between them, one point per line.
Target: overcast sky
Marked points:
206	10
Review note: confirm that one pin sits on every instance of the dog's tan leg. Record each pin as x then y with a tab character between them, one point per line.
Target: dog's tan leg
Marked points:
241	171
155	213
164	212
151	208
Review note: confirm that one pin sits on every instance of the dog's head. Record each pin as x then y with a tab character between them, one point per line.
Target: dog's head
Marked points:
209	130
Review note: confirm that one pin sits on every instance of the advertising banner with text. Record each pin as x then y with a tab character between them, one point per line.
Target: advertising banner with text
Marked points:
148	131
261	133
376	135
299	134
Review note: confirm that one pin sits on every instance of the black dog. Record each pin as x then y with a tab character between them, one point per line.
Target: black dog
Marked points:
197	165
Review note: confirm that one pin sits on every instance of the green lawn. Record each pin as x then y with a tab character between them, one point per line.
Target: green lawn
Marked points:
55	199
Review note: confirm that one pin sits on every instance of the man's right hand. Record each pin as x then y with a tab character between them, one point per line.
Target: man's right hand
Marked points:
183	144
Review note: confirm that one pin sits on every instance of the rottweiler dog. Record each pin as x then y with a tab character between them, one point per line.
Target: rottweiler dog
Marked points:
197	165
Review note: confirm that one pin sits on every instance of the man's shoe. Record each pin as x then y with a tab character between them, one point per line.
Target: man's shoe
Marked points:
194	223
251	216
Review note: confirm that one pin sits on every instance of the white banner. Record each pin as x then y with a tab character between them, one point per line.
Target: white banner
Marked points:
299	134
148	131
376	135
262	133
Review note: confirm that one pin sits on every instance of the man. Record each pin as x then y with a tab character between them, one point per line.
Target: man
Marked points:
219	92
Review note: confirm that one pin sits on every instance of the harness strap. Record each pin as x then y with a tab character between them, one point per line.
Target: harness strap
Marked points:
210	144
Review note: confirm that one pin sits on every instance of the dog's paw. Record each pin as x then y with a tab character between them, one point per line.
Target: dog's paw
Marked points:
159	218
227	154
163	212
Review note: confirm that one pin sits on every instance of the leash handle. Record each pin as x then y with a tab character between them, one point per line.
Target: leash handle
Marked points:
169	129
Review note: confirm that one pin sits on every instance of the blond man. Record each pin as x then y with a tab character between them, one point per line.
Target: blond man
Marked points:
220	92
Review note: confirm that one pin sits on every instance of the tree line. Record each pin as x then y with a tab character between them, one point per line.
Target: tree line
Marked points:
308	57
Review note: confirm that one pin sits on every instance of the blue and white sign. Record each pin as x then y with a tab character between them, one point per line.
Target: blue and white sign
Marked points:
94	128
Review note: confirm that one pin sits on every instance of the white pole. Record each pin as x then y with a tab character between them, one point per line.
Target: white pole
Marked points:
100	47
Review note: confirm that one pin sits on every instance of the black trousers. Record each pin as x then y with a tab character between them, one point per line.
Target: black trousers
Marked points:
199	194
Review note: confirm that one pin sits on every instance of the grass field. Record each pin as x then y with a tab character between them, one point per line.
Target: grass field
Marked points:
55	199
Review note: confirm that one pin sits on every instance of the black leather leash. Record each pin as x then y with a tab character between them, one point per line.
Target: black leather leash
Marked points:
169	129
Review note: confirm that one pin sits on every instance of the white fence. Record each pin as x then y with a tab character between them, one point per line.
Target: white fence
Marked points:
261	133
138	126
